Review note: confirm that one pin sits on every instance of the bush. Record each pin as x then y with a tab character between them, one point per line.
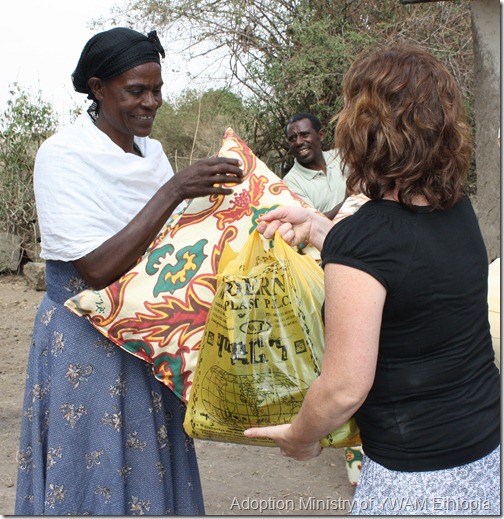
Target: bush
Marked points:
24	125
191	126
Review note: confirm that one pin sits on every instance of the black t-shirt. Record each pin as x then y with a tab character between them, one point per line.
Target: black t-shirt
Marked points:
435	401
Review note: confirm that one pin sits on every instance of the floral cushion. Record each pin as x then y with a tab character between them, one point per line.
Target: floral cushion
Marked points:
157	310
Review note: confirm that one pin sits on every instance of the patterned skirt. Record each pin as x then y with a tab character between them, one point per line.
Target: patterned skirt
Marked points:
99	434
471	489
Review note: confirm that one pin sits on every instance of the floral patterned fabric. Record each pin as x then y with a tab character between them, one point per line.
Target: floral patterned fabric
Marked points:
157	310
100	435
471	489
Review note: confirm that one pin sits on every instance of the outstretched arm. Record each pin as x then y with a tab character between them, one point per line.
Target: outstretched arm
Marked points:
119	253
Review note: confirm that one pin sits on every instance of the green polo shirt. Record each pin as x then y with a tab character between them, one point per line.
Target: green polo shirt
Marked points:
318	189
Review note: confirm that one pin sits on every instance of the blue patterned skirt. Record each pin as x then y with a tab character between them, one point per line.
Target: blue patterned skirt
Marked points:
470	489
99	435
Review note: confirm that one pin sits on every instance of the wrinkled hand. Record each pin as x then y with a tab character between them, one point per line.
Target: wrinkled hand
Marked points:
292	223
207	177
280	434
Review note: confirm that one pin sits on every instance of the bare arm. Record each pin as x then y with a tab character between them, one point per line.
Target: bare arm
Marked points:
334	211
119	253
354	306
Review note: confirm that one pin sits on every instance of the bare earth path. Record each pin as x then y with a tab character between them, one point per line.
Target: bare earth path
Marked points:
237	479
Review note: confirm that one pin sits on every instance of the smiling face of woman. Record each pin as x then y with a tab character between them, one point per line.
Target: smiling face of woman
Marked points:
128	103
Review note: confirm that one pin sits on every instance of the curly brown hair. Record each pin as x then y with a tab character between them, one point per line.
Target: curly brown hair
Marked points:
403	127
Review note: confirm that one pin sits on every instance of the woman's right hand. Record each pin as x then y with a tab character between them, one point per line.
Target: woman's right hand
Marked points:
292	223
296	225
206	177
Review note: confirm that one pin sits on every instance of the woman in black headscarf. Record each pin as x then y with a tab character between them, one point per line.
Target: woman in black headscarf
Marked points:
100	435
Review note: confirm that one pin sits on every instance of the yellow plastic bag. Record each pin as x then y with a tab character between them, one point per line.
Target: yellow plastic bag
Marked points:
262	346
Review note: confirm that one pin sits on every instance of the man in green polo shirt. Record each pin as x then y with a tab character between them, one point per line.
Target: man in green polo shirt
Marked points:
316	176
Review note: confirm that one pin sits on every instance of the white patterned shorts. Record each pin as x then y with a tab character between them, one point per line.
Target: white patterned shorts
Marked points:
471	489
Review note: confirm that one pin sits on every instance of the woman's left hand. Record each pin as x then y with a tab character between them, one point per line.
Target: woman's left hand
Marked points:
280	434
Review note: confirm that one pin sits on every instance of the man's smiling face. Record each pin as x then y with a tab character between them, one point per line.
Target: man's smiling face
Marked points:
304	142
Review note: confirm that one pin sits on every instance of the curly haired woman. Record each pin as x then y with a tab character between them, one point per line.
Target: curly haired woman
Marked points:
408	345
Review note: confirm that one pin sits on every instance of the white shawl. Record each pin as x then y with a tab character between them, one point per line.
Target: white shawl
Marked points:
87	188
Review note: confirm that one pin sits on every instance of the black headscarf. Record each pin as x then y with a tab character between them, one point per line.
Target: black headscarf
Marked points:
110	53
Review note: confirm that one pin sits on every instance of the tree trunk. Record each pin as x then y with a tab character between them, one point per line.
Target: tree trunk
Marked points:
486	38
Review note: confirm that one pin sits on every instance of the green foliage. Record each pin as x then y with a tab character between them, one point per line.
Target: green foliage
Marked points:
307	81
24	125
191	127
287	56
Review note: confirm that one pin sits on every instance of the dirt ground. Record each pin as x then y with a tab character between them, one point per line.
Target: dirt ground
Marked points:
236	479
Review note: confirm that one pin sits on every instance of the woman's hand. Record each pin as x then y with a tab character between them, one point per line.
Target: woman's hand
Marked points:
292	223
281	434
206	177
296	225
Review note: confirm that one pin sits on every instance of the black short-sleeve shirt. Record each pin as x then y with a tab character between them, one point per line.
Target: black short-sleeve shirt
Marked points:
435	401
